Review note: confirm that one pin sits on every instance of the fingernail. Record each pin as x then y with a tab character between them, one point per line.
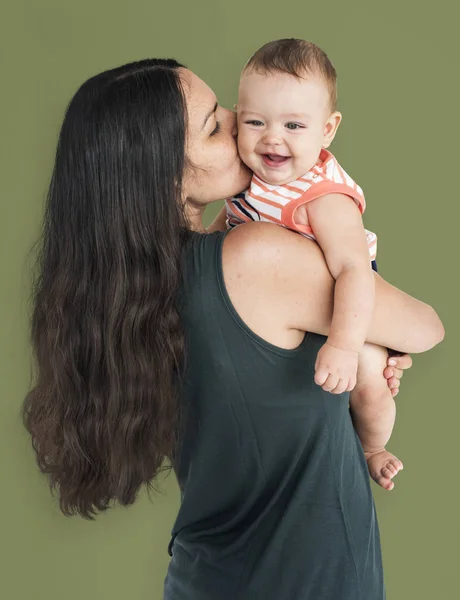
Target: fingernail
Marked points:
392	362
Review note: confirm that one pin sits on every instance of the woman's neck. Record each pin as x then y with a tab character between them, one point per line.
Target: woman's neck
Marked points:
195	215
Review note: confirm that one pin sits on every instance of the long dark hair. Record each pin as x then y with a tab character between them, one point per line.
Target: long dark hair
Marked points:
108	344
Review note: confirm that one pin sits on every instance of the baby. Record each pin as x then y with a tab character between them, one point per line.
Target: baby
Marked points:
287	118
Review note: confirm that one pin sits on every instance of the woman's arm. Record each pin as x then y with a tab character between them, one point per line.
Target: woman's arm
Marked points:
287	276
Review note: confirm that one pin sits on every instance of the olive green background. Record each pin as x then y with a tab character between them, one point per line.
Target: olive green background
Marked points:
397	65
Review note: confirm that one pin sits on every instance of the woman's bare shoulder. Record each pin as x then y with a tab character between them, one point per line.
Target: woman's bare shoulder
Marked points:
273	255
271	243
267	268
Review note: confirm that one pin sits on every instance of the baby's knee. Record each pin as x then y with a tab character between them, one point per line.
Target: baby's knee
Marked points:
372	396
372	391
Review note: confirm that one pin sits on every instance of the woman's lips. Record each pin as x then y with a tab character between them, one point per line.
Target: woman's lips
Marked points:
275	160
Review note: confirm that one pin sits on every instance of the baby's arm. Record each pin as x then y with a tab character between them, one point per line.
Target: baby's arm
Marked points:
337	224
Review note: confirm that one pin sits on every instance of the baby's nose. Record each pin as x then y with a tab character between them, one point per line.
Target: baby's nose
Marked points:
271	138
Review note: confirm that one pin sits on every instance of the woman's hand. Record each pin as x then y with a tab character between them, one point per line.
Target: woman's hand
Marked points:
396	365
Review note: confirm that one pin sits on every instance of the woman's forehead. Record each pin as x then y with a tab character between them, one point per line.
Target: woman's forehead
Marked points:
199	96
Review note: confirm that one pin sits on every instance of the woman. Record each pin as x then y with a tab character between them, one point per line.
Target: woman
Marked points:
156	340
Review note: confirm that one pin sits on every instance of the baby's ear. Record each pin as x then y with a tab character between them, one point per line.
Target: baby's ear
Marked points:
330	128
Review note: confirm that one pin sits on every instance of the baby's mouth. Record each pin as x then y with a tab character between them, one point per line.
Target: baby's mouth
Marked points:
275	160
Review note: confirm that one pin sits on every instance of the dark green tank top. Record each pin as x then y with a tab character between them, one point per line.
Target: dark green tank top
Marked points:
275	495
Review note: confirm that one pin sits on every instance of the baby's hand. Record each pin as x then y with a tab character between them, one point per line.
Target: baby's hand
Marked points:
335	369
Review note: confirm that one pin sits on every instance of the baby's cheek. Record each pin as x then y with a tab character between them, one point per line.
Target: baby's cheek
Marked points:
246	150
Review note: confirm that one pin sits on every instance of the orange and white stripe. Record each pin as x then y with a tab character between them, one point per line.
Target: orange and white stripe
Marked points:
278	203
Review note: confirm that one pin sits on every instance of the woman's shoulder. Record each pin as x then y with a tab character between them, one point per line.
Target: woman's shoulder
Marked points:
274	276
257	233
270	242
272	255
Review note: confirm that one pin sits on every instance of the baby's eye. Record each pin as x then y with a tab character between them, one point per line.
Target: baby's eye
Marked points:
254	122
293	126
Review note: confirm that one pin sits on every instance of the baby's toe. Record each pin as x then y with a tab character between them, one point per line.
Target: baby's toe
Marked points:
395	464
385	482
388	484
391	468
388	471
398	463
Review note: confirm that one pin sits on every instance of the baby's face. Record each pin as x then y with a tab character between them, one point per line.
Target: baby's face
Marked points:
282	124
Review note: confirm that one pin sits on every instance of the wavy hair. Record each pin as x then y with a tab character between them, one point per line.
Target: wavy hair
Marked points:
108	344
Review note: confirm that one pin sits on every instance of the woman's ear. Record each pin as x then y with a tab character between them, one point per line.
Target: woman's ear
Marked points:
330	128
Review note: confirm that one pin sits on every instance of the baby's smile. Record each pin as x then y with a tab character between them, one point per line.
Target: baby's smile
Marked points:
275	161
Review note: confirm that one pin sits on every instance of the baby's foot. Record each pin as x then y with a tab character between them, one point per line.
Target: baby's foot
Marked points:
383	466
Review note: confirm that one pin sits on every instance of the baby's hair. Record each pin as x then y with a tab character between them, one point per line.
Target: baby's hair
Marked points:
298	58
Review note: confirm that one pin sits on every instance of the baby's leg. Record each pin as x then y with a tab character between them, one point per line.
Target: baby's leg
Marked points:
373	411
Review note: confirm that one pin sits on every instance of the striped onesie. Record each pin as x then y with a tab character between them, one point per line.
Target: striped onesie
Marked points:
278	203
